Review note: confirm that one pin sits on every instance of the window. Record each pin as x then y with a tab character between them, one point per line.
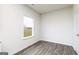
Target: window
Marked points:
28	27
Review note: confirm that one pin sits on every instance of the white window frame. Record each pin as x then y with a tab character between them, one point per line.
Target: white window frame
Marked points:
32	29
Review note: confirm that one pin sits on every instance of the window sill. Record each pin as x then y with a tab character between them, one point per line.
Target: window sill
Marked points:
28	37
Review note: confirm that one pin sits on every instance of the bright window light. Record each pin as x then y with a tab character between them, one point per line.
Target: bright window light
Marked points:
28	26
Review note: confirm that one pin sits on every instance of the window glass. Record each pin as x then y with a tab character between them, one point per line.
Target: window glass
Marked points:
28	26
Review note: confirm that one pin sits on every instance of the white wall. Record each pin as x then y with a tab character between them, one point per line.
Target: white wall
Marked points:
76	27
11	27
57	26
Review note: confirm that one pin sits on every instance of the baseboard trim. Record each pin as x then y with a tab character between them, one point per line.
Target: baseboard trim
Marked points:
19	52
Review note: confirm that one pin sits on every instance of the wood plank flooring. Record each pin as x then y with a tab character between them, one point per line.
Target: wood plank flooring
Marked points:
48	48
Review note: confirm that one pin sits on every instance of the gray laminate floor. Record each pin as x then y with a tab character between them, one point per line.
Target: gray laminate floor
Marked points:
48	48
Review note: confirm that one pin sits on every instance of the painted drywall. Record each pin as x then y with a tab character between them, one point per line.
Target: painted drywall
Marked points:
57	26
11	27
76	27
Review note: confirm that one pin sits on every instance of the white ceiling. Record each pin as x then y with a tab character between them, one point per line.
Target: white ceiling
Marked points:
44	8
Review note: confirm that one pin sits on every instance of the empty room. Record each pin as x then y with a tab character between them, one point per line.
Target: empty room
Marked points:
39	29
